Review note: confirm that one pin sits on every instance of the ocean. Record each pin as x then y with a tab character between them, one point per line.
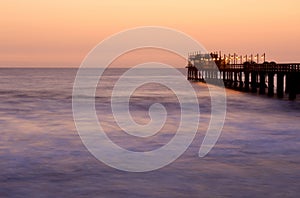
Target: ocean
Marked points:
42	155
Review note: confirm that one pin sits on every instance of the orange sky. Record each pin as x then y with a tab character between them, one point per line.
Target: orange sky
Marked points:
61	32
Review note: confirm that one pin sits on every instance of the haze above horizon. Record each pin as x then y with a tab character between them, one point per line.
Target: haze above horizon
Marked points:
61	33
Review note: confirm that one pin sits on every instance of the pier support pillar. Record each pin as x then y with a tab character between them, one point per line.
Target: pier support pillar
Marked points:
246	81
253	82
227	78
280	85
262	83
241	84
270	84
231	79
202	75
235	83
288	82
193	74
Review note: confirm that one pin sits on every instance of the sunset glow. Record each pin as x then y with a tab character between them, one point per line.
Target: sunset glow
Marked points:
60	33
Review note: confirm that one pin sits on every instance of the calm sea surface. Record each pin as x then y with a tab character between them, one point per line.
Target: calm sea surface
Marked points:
41	153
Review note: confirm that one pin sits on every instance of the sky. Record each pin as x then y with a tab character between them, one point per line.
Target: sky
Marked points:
60	33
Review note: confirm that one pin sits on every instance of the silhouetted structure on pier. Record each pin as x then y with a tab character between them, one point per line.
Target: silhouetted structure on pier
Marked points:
243	73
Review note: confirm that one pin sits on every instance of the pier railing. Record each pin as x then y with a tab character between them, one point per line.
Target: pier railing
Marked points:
285	67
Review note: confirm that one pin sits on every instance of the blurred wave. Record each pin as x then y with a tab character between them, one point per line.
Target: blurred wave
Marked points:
41	154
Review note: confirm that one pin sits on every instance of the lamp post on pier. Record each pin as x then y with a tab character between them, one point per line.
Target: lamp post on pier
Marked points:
264	57
234	60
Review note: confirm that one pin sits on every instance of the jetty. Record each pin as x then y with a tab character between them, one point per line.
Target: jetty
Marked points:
245	73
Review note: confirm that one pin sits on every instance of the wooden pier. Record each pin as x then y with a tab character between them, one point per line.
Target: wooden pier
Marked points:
246	73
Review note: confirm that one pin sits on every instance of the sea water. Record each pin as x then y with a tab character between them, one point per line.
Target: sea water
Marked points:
42	155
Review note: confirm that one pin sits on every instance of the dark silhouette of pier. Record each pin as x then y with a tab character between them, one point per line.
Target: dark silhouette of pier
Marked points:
246	73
